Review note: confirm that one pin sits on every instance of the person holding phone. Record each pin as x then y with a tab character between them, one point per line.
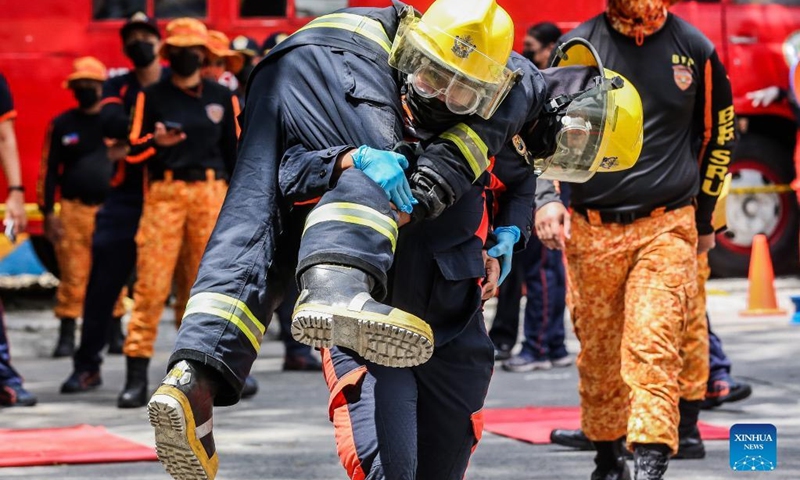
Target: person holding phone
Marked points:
12	392
184	131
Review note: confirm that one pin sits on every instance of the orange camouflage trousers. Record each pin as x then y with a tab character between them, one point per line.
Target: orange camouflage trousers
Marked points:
694	348
74	255
630	287
176	215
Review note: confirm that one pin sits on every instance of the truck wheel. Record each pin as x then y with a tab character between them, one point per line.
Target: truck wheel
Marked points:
758	161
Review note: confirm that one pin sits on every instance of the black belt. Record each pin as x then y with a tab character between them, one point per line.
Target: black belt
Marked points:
626	218
188	174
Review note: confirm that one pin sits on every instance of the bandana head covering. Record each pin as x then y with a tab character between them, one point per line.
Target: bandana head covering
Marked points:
638	18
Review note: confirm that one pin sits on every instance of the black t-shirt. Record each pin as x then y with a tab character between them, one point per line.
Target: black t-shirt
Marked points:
688	120
74	160
207	116
7	111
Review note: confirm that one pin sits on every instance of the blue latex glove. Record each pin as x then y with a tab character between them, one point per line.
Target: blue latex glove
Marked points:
507	237
386	169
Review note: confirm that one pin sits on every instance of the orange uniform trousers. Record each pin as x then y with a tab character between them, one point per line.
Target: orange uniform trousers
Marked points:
630	287
74	255
176	214
694	349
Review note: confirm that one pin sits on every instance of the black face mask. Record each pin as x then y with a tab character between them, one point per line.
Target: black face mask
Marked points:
430	113
529	54
140	52
184	62
86	96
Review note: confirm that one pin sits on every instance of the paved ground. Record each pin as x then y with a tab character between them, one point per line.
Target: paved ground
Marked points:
283	433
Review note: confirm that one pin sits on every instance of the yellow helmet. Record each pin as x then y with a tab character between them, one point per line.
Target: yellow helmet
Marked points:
602	127
458	52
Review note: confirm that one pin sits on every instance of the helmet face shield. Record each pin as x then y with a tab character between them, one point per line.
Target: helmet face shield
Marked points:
580	138
416	54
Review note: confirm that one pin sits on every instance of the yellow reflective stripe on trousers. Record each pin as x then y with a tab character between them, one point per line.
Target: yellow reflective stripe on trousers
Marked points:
364	26
354	213
231	309
471	146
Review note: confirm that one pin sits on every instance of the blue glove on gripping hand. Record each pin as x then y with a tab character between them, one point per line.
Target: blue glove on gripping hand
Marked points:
386	169
507	237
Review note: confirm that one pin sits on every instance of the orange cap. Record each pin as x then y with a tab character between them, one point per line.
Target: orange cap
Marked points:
185	32
86	68
218	46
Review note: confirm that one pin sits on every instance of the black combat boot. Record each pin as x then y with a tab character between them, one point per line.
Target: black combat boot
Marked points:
116	339
610	461
571	438
690	445
134	394
181	413
336	308
81	381
650	460
65	347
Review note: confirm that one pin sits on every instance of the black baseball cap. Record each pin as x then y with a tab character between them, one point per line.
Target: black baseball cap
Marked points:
245	45
139	20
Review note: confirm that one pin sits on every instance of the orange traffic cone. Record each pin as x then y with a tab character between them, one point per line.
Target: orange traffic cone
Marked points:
761	291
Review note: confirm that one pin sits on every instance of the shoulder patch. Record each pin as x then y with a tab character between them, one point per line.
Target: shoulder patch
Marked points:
215	112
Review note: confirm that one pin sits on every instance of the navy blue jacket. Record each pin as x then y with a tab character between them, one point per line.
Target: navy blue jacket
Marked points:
322	92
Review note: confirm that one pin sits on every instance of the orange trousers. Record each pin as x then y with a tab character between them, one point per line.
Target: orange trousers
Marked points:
74	255
176	215
629	301
694	348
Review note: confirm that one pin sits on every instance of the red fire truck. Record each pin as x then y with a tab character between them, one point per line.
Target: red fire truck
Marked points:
39	40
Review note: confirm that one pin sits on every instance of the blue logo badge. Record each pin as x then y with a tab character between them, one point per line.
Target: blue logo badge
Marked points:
753	447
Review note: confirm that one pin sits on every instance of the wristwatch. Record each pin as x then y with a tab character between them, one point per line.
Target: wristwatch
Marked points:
16	188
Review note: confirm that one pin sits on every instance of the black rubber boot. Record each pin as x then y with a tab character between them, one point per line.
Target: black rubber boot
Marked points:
116	339
650	460
134	394
690	445
65	347
610	461
181	413
336	308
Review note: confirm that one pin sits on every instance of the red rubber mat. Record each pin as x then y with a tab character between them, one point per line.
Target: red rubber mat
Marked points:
534	424
78	444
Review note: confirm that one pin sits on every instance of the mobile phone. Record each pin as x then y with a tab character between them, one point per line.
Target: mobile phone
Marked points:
173	127
9	231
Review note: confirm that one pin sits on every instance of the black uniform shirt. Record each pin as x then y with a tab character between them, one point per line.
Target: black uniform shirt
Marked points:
75	160
119	97
7	111
688	121
208	117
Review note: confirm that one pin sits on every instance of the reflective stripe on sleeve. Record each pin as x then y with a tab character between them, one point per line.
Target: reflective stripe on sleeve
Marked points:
355	214
367	27
471	146
231	309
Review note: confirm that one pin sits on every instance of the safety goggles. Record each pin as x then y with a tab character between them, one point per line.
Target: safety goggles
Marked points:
431	81
413	53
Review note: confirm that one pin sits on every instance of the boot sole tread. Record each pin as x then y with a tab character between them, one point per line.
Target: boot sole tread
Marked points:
172	445
377	342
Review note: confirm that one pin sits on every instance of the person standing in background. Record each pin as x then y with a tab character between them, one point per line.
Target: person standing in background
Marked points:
539	43
113	246
75	163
